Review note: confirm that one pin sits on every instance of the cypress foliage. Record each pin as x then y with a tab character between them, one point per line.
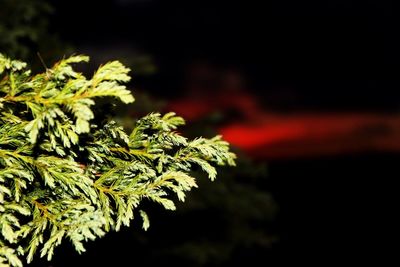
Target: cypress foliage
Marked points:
64	177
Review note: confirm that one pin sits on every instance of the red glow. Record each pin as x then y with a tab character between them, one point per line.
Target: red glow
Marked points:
315	134
273	135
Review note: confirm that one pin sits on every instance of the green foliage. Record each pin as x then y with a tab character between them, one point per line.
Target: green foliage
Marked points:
63	177
240	220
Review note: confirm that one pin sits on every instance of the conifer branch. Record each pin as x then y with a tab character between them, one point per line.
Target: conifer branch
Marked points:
64	178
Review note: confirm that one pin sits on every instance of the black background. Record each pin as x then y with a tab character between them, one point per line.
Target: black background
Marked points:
332	55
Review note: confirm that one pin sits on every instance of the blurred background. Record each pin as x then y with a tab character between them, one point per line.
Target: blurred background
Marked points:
305	91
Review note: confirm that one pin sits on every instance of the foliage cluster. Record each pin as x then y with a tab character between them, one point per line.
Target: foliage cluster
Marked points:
64	177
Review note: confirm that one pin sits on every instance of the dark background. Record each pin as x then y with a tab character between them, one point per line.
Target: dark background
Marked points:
334	54
325	55
315	56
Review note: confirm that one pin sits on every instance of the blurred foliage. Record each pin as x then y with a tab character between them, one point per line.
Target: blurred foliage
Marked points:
234	214
141	62
24	31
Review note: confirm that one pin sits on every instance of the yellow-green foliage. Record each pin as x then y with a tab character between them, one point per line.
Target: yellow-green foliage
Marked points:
63	177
